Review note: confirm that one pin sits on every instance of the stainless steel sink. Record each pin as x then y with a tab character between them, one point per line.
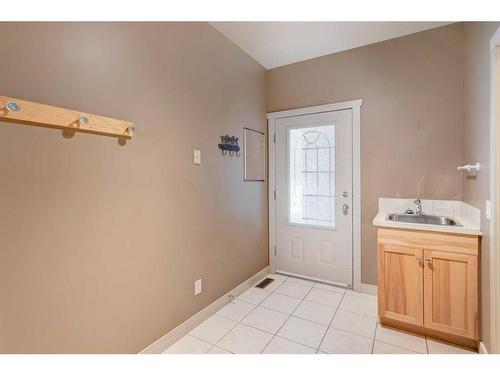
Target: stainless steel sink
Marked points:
424	219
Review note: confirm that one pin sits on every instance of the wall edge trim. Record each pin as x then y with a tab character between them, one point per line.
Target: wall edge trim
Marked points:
482	348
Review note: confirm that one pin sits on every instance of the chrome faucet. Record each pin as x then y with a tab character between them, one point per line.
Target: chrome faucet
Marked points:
418	206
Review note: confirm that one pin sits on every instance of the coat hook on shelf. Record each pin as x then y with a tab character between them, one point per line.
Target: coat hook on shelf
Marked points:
83	120
131	129
61	118
12	106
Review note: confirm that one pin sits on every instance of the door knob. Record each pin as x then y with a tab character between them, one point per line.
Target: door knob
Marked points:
345	209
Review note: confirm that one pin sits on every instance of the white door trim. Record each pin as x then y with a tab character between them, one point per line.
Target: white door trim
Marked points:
495	201
355	106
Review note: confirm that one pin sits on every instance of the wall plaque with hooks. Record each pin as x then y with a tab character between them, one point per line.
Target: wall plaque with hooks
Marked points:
229	145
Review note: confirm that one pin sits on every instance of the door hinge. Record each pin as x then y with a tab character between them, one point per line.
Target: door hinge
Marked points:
275	194
274	250
274	137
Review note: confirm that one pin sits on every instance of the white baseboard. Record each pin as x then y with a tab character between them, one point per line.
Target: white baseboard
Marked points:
369	289
160	345
482	348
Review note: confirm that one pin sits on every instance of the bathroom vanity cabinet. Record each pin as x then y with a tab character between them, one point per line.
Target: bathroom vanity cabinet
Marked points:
428	283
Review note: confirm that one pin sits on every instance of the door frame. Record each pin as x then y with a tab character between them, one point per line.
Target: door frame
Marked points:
494	195
355	106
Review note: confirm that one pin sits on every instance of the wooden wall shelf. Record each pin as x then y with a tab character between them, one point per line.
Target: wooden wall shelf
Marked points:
28	113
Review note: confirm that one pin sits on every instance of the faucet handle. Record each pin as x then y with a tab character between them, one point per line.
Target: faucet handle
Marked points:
418	206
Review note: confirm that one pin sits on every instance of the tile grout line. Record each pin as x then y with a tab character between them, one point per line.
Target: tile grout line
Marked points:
329	326
297	317
351	312
358	313
238	322
269	333
399	346
350	332
301	300
255	306
275	334
319	303
289	315
206	342
374	336
331	321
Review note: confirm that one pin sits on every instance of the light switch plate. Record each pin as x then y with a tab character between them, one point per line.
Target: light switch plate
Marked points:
196	157
197	287
488	210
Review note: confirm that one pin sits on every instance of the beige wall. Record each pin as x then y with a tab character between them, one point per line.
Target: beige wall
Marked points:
411	118
101	244
477	143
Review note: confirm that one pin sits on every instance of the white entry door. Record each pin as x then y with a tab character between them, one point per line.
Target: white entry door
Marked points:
314	196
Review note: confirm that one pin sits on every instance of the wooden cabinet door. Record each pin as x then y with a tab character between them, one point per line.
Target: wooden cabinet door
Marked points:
451	293
400	283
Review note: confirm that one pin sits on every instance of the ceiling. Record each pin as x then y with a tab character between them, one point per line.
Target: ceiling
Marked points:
275	44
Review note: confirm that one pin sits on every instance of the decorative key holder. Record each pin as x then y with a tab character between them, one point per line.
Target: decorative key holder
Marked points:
229	145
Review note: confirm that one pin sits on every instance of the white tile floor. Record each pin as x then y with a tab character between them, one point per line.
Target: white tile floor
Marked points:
295	316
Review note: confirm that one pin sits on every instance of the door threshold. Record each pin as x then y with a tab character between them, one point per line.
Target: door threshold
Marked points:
346	286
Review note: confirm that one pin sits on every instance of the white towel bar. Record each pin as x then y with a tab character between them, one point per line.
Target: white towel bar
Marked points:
469	167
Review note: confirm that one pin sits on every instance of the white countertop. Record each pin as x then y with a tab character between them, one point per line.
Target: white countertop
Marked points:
460	212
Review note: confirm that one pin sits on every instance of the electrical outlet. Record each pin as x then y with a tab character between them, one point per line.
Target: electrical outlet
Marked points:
196	157
197	287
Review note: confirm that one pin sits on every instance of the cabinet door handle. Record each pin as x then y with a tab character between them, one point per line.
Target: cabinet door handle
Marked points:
428	260
420	260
